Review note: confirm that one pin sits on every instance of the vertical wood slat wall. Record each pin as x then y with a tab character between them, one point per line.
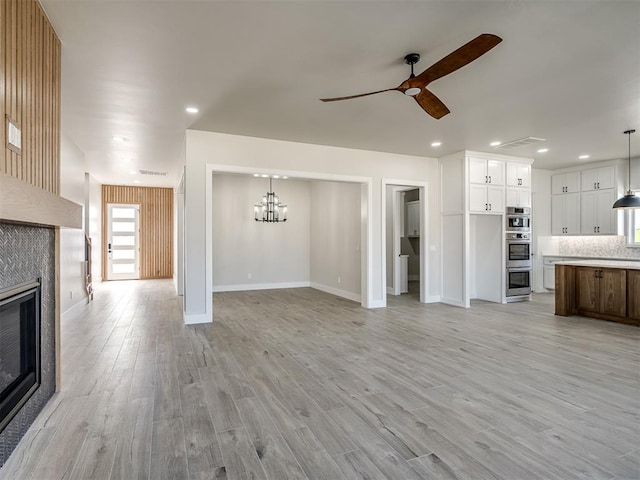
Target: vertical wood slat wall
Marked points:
30	54
156	227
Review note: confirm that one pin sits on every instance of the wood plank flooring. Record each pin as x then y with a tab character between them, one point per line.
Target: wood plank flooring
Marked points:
299	384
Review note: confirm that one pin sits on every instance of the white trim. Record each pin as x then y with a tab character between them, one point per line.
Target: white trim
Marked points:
336	291
378	304
197	318
454	301
432	299
424	222
366	236
391	291
259	286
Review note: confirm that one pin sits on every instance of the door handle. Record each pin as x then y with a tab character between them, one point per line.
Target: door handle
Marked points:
486	207
489	178
486	179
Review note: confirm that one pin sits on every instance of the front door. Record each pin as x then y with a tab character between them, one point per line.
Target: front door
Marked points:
123	252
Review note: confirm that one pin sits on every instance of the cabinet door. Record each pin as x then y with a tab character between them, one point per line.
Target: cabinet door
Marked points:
588	215
478	198
606	216
589	179
495	199
633	294
572	213
613	291
549	277
495	172
413	219
557	214
478	170
606	178
525	176
587	289
557	184
518	197
513	174
572	182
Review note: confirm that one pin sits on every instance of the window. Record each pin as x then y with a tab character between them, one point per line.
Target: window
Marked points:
634	227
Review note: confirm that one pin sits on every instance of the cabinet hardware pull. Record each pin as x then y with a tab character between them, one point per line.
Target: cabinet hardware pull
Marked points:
489	178
489	206
598	185
486	179
594	185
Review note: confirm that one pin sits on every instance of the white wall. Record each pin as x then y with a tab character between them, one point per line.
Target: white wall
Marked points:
72	187
206	150
275	255
540	221
335	238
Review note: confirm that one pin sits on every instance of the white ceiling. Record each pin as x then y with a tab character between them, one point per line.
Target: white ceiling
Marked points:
567	71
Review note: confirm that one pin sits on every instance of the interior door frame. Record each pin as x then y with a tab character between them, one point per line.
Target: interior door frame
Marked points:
404	185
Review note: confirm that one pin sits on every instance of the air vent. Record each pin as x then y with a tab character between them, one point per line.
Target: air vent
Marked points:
151	172
521	142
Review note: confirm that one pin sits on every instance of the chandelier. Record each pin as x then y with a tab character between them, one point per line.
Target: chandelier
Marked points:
269	209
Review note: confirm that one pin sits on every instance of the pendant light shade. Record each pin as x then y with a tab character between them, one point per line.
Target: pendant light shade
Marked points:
629	200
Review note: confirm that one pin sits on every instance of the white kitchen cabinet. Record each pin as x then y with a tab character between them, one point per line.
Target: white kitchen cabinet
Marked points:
600	178
549	277
413	219
518	197
597	216
484	171
518	175
563	183
565	214
486	199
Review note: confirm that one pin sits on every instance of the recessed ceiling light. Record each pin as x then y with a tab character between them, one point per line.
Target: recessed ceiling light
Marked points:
118	139
264	175
191	110
136	181
285	177
494	144
436	144
256	174
583	157
543	150
133	172
276	176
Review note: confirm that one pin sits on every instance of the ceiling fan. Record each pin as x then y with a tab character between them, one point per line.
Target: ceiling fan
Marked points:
415	86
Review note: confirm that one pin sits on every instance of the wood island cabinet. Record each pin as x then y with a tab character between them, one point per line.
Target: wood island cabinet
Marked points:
601	291
607	293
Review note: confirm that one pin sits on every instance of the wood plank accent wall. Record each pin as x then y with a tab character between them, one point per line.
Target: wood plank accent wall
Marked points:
156	227
30	55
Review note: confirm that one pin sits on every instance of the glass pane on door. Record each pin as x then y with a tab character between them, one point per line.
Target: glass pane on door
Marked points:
122	242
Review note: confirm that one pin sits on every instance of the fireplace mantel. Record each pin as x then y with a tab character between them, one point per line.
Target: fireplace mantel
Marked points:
24	203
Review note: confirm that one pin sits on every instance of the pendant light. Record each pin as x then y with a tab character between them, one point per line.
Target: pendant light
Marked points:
629	200
270	209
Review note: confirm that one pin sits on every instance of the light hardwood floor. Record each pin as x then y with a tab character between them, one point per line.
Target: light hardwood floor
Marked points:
299	384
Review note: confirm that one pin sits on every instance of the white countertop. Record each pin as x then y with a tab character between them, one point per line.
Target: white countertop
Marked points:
623	264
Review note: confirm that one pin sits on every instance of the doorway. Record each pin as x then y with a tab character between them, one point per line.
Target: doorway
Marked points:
123	238
405	238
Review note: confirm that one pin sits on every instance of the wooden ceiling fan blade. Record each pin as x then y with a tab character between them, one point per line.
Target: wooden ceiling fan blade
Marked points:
431	104
336	99
459	58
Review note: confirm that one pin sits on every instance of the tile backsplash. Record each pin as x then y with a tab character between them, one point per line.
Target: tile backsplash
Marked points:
597	246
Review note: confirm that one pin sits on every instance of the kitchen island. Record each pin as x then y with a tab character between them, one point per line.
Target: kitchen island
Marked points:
604	289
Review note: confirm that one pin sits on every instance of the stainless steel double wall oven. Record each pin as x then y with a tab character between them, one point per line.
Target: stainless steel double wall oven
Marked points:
518	251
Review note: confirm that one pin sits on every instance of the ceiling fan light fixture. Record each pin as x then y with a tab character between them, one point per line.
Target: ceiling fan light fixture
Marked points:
412	92
629	201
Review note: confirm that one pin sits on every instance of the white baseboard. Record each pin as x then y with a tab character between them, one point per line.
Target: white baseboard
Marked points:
197	318
336	291
453	301
432	299
378	304
258	286
391	291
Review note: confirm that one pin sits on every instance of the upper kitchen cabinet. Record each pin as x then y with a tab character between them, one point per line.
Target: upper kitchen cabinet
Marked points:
598	178
487	171
518	175
565	183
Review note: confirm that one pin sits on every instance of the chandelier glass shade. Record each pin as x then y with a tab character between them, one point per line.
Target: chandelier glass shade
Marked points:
270	209
629	201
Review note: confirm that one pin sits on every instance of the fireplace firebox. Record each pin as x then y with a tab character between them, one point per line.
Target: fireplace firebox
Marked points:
19	347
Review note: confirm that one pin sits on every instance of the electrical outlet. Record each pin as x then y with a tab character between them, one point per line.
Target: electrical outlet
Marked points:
71	294
249	275
339	280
